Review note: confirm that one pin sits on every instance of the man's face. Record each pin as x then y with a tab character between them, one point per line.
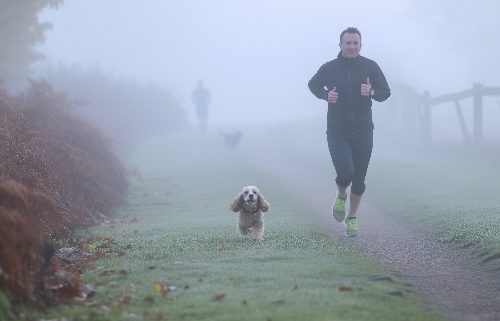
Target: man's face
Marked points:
350	45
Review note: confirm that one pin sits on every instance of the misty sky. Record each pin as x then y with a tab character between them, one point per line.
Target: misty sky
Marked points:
256	56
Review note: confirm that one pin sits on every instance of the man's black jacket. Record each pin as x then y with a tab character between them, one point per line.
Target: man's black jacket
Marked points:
352	111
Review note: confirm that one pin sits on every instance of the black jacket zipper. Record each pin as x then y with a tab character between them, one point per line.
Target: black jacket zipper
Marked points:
350	91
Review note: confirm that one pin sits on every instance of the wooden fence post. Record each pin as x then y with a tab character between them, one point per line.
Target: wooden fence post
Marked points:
426	121
478	112
461	119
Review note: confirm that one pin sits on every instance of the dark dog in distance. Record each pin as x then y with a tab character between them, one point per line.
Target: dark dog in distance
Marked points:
232	139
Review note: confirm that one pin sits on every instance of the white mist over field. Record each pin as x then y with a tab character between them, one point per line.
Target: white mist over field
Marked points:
256	57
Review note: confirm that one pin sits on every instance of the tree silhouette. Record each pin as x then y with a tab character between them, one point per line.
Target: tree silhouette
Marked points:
20	31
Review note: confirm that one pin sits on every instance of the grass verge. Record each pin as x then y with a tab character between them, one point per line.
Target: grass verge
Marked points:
453	195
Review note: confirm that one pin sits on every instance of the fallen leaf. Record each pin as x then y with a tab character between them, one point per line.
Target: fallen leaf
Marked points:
158	287
90	263
121	230
99	255
68	291
111	272
219	297
345	288
149	299
225	248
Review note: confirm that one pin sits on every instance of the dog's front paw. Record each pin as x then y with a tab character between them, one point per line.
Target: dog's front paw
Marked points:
256	238
257	234
243	230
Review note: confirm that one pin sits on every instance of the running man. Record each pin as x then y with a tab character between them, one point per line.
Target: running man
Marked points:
349	83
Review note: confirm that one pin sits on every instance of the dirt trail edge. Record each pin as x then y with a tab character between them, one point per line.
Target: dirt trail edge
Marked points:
440	271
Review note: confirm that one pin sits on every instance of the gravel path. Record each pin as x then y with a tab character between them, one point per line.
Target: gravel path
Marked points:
440	271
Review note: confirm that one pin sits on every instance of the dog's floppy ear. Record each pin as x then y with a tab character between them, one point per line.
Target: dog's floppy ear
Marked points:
237	203
263	204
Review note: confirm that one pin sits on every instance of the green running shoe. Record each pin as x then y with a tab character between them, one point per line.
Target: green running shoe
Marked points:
338	208
351	226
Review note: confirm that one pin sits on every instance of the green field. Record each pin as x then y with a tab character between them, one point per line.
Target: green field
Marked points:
186	241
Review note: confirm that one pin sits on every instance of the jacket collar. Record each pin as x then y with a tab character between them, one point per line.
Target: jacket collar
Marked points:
342	58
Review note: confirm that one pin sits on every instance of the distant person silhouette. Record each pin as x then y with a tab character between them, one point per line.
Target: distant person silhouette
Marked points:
201	98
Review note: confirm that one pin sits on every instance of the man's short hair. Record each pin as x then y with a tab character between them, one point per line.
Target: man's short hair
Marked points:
350	30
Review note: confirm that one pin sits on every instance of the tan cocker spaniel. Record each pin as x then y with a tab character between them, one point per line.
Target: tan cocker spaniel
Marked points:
250	204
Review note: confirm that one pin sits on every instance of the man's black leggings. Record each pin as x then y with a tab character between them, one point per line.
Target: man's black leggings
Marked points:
351	153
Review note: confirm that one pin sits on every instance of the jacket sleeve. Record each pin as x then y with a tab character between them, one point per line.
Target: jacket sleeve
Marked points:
380	85
317	84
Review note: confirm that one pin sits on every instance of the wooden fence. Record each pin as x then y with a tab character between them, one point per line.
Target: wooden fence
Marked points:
477	93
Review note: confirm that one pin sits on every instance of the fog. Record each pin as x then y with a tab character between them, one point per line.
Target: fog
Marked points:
256	56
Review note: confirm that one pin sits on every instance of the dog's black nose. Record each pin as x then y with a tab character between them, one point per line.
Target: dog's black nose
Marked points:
250	196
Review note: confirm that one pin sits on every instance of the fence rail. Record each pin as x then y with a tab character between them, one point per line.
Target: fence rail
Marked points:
477	93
